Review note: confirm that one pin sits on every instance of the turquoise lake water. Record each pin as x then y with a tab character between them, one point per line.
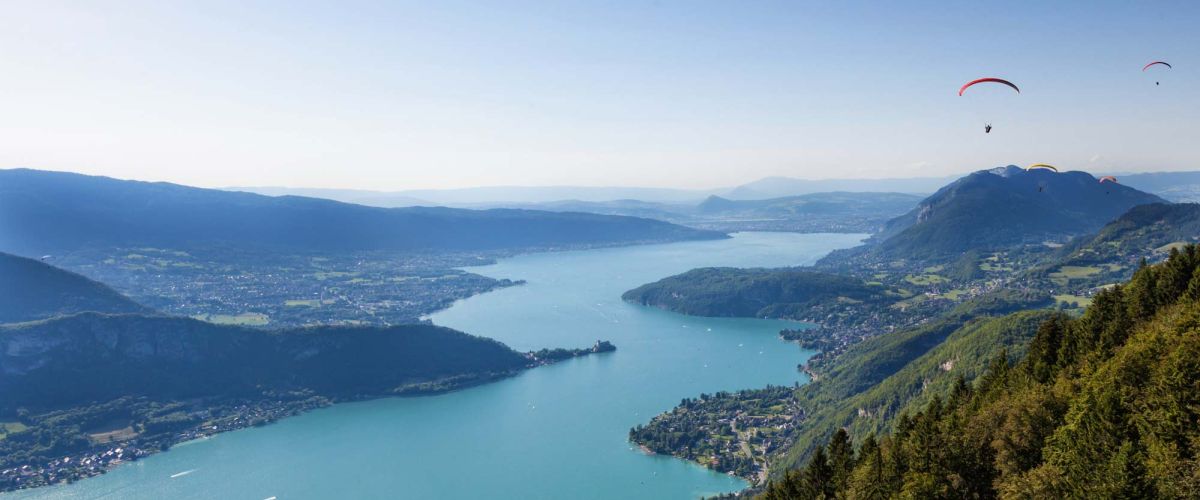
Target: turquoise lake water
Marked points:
553	432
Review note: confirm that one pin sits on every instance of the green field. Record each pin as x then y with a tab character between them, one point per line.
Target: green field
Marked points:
244	319
954	294
925	279
1068	273
7	428
1073	299
308	302
1178	245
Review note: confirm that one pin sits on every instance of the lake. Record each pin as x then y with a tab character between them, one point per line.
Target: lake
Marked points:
552	432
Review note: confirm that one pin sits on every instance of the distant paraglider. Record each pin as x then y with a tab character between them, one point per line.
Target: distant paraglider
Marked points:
987	80
987	127
1041	166
1156	63
1108	178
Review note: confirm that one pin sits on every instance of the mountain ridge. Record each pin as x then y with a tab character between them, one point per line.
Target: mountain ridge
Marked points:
1002	207
34	290
47	212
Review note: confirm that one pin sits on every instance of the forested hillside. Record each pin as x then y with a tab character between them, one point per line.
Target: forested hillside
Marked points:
1103	406
30	289
1001	207
1142	230
87	357
751	431
731	291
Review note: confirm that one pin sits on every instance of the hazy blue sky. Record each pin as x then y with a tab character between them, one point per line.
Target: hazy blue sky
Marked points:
395	95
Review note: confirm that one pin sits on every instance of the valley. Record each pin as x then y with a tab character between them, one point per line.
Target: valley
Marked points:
599	250
560	416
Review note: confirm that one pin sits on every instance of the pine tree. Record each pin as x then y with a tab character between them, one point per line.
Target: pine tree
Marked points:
818	476
841	459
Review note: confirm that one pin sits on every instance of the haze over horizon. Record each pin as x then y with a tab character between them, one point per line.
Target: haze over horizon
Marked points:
680	95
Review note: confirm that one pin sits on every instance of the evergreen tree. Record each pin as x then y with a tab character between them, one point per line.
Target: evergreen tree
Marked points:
841	459
818	477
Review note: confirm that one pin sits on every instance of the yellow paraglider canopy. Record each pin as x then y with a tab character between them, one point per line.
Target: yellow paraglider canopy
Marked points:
1041	166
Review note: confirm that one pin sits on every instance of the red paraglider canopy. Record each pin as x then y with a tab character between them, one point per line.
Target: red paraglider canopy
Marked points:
1108	178
1164	63
992	80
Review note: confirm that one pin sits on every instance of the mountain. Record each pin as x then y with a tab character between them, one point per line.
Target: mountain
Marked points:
490	195
670	212
1174	186
877	205
31	289
381	199
48	212
1004	207
1143	230
778	187
816	212
73	360
1101	406
1146	233
906	377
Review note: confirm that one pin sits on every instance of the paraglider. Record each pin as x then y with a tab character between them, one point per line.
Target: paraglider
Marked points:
1155	63
988	80
1041	166
1108	178
987	127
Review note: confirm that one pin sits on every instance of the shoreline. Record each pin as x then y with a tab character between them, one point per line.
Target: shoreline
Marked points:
238	415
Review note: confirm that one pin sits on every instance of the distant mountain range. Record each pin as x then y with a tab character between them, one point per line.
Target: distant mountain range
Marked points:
493	196
1174	186
486	196
46	212
839	203
1144	228
775	187
816	212
1006	206
31	290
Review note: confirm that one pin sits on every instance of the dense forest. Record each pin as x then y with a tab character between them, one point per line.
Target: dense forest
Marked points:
1102	406
728	291
36	290
73	360
1141	228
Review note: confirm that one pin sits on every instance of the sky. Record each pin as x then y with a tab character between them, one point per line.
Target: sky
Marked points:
688	94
